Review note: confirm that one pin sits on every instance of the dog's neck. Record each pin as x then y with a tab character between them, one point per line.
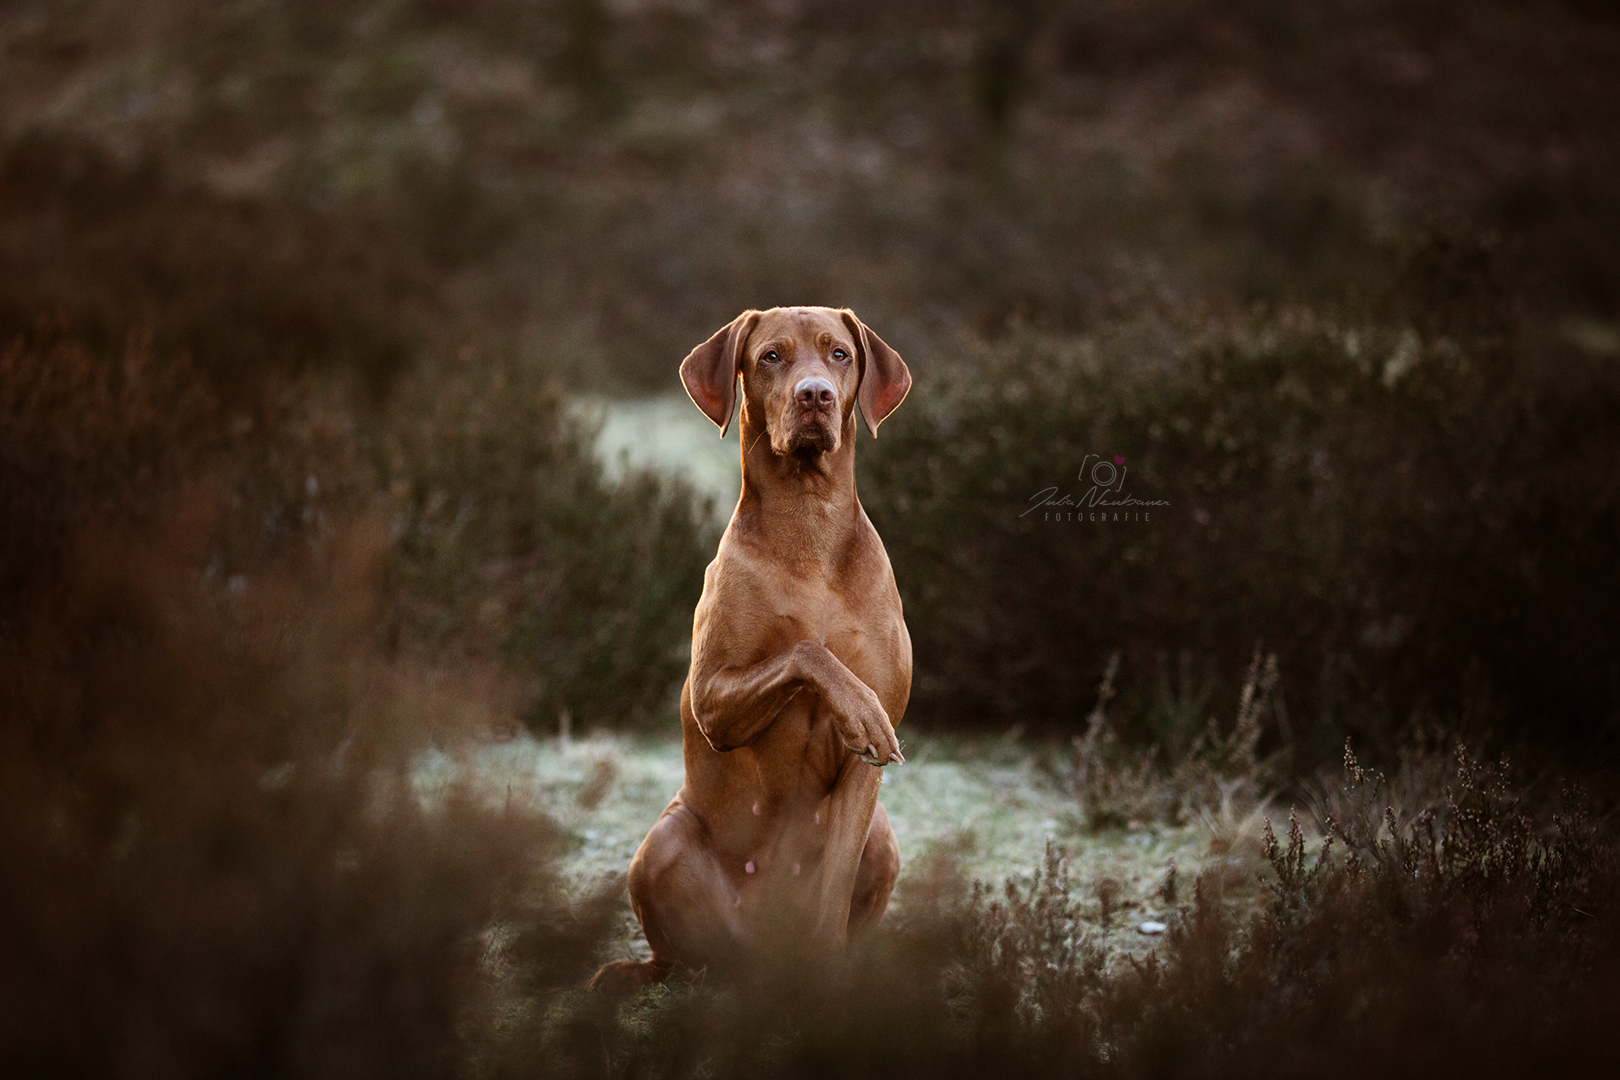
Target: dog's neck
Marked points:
802	507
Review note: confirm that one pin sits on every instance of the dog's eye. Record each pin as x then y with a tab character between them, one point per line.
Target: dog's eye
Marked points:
840	354
770	357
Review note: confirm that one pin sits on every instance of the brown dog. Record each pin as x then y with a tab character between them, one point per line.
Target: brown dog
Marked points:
801	664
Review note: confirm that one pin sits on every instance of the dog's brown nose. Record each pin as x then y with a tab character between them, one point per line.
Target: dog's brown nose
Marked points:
814	393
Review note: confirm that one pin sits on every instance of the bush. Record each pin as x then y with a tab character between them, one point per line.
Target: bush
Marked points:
249	288
510	537
623	179
1495	955
507	542
217	860
1415	517
1210	772
221	861
86	439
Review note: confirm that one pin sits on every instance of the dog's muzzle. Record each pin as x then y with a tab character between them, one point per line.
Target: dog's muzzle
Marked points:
811	419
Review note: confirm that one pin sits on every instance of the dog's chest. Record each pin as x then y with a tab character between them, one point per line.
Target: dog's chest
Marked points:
856	627
801	754
806	731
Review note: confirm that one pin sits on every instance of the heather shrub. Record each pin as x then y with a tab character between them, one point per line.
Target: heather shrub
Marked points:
222	860
510	539
266	181
506	542
217	859
1213	775
248	287
1415	515
1494	955
86	438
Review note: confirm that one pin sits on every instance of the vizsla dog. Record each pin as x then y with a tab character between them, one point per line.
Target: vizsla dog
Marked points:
801	664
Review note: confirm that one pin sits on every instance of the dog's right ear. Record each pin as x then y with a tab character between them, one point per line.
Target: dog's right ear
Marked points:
710	371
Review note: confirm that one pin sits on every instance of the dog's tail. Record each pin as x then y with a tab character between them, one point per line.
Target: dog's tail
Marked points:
624	977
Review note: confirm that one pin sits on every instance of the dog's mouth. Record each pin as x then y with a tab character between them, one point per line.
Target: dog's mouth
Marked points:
808	432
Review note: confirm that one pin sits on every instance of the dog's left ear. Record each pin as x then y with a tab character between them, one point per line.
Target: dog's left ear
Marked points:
710	371
885	379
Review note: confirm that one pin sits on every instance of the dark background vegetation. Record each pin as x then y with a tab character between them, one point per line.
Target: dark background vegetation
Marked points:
292	295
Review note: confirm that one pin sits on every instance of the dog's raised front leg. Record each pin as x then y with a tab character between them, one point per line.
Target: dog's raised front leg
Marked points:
733	705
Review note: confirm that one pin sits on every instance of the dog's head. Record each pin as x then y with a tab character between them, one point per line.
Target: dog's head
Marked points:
803	370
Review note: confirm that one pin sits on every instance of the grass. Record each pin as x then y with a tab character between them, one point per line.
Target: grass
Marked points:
1487	947
985	809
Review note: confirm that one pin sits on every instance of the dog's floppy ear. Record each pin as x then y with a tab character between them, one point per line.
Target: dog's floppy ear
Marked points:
885	379
710	371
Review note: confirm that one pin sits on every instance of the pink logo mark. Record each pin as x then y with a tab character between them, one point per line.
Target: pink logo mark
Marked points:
1119	459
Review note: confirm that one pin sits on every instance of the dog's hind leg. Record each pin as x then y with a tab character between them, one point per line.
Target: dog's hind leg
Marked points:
685	902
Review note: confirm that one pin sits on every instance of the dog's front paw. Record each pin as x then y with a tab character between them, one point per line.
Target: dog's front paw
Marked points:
866	731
